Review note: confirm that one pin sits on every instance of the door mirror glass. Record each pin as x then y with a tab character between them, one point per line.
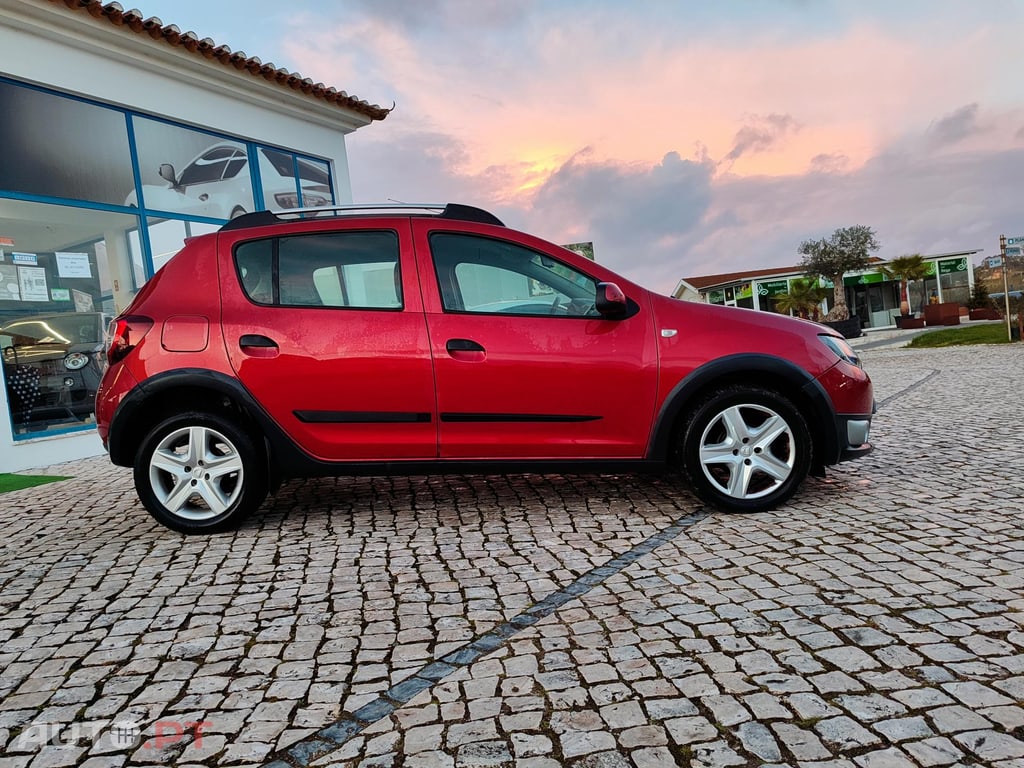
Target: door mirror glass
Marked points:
167	173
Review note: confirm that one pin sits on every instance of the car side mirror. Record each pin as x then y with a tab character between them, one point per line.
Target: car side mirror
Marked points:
167	173
610	301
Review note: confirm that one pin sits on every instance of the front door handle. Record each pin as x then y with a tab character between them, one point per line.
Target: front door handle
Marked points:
466	350
463	345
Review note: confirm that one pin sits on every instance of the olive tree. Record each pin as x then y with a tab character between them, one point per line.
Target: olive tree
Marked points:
846	250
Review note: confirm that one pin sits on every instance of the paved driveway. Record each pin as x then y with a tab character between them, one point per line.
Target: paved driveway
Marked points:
540	621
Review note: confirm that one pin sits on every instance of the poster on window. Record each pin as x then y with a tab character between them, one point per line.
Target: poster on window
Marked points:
9	290
45	153
32	281
83	301
290	181
191	172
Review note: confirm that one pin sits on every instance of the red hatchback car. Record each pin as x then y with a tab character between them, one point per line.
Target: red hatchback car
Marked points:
422	339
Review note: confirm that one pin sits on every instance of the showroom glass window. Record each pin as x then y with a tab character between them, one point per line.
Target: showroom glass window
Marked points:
93	200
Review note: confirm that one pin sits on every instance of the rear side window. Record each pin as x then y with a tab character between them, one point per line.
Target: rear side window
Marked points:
358	270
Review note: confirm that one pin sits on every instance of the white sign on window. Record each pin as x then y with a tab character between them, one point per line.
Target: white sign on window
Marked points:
73	264
33	284
9	289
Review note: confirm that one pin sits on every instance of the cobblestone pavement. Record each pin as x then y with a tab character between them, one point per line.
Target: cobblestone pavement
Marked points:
542	621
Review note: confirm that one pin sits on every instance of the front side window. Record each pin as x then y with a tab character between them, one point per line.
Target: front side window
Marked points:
481	275
358	270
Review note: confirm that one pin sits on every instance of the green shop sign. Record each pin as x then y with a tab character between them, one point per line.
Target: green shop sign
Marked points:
952	266
716	297
744	291
870	277
771	288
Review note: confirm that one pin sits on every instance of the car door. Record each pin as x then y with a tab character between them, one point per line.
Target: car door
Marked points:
326	330
525	366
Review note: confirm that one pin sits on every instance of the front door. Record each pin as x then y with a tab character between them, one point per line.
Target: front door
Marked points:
525	366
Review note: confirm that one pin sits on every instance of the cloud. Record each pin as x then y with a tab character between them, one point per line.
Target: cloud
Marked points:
577	126
955	126
829	163
761	134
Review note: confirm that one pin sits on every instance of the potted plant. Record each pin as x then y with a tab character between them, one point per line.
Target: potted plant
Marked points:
847	249
979	306
804	298
906	269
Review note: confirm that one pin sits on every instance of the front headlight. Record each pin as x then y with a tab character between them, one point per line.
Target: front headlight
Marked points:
75	360
842	349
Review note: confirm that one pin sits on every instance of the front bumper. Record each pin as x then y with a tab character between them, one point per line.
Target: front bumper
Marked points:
853	433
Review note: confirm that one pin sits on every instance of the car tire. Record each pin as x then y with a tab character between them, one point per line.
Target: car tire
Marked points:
745	449
200	473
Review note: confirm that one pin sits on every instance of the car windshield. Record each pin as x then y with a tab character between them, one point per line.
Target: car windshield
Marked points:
70	328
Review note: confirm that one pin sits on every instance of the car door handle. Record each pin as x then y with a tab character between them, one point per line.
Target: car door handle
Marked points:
463	345
465	350
257	345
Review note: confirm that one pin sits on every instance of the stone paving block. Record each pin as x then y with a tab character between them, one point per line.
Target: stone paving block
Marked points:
877	611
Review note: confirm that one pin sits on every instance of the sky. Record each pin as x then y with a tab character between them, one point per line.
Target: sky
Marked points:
682	137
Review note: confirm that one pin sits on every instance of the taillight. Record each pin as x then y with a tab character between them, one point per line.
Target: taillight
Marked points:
125	333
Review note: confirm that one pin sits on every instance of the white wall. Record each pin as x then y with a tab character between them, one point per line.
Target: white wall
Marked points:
49	45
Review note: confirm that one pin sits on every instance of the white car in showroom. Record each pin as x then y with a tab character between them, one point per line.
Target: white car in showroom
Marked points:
217	184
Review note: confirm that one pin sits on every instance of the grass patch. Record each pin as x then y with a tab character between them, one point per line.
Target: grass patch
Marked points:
17	482
990	333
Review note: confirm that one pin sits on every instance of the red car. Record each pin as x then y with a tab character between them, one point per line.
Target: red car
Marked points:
421	339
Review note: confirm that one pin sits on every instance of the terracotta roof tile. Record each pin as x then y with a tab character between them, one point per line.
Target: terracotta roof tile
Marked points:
207	48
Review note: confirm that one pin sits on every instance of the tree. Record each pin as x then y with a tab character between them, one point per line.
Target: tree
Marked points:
907	269
846	250
979	296
803	297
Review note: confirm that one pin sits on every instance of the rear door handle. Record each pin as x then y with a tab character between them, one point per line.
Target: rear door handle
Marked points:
257	345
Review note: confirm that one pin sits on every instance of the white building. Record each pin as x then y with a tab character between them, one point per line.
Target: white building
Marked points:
120	137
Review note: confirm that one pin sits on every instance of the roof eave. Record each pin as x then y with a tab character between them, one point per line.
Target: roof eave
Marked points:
183	47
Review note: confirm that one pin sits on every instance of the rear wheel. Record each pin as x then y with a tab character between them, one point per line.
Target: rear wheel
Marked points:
199	473
745	449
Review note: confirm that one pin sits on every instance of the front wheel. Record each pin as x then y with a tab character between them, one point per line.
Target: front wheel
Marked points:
745	449
199	473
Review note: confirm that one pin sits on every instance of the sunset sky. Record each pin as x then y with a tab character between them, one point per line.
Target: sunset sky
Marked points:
682	137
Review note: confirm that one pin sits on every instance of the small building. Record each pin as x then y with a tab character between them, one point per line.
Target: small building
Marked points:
871	296
122	136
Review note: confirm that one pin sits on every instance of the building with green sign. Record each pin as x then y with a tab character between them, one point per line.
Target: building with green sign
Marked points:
870	294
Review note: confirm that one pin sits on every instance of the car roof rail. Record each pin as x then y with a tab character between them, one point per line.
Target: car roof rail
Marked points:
454	211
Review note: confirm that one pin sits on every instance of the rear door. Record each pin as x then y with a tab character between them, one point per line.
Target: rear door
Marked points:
526	368
326	329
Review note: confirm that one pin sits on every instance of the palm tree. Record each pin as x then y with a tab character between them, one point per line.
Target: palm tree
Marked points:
804	297
907	269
